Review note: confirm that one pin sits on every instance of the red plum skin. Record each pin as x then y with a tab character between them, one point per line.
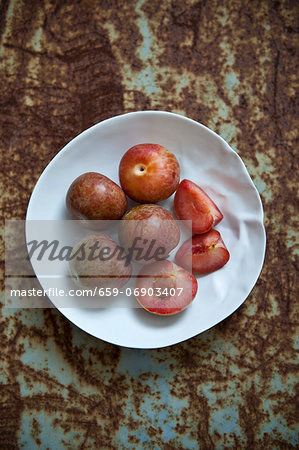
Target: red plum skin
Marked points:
149	173
94	197
153	226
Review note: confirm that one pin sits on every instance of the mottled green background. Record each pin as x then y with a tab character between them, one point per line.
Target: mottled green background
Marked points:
231	65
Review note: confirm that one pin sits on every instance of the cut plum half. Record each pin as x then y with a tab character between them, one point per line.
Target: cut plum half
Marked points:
192	203
164	288
203	253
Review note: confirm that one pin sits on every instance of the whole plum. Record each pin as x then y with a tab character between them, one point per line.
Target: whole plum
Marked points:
97	262
149	173
95	200
148	232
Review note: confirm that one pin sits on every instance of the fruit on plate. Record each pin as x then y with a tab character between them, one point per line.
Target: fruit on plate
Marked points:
148	233
164	288
95	263
192	203
203	253
149	173
95	200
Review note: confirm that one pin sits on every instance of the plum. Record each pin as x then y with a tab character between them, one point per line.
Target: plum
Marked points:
203	253
149	173
164	288
95	200
148	232
97	262
192	203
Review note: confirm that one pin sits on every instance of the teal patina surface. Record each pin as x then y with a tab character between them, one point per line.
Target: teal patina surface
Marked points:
232	66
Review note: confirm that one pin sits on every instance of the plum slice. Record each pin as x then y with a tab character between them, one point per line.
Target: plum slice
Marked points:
192	203
208	253
164	288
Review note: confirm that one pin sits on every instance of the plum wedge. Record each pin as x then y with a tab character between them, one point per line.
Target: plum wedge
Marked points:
203	253
192	203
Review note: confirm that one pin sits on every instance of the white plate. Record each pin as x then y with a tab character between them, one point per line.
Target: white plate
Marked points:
206	159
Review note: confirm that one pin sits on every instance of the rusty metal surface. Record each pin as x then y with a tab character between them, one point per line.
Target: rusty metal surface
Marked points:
232	66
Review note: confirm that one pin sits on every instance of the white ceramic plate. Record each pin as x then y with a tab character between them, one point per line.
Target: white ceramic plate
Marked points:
206	159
